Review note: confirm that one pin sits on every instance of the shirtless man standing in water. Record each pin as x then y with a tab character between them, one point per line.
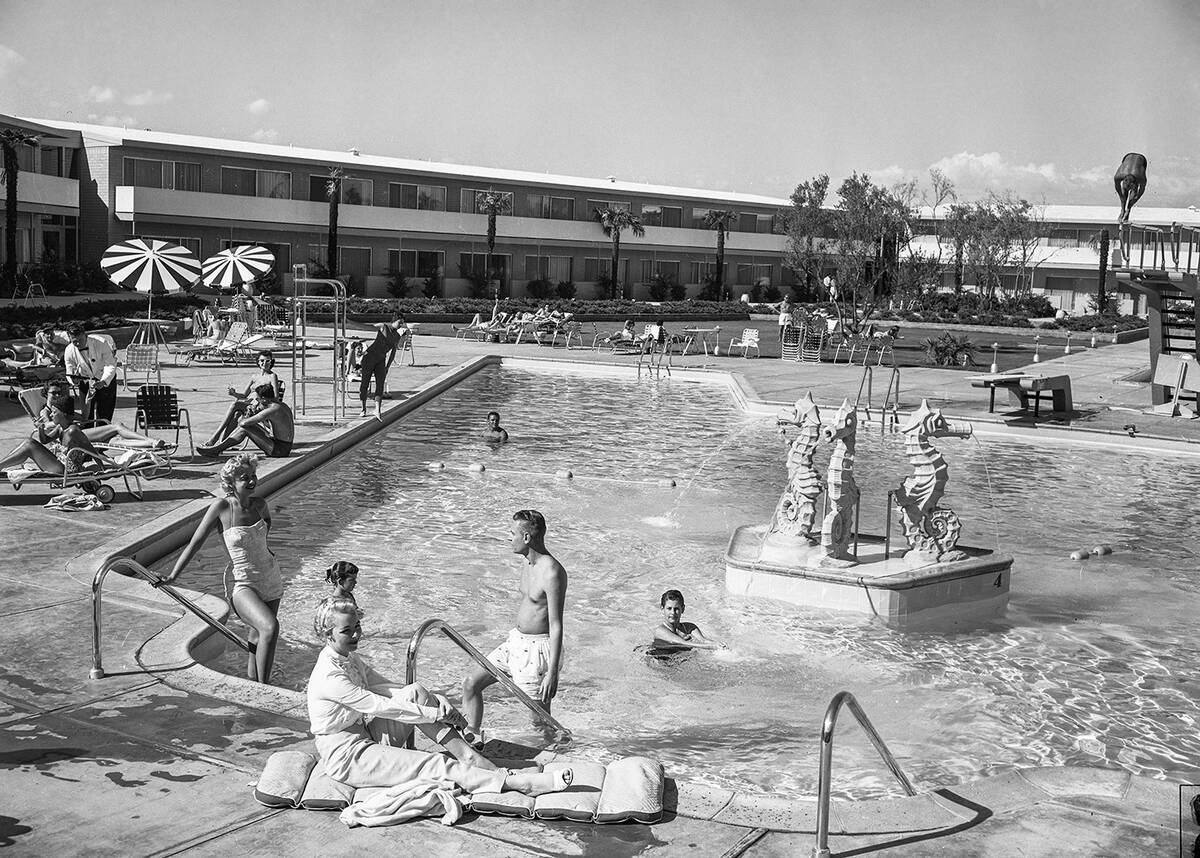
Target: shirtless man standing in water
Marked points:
532	654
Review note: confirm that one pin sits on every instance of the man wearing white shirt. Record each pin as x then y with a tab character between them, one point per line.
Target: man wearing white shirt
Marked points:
92	368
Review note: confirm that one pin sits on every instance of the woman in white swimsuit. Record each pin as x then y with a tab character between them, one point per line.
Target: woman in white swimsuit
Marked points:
243	521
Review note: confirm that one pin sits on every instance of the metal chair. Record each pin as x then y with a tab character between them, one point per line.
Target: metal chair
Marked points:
141	357
158	408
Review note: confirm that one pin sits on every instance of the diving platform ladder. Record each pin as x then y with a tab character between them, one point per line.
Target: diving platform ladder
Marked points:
304	370
1164	265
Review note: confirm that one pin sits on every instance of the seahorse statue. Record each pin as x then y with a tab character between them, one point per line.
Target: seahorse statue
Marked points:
931	530
843	491
796	512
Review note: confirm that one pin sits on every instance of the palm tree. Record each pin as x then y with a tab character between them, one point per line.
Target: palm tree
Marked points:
1100	243
10	139
721	220
492	203
616	220
333	192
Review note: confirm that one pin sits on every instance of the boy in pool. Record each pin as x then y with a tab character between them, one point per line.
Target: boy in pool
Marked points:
676	633
494	431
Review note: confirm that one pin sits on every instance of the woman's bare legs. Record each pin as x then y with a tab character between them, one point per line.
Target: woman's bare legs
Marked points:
236	409
264	631
31	449
134	440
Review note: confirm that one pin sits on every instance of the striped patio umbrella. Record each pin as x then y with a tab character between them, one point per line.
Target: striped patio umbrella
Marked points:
150	265
237	265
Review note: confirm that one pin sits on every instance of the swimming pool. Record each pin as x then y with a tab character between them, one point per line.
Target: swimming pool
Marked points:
1089	667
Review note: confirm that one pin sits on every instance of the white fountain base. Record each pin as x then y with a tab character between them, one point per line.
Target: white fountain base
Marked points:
905	592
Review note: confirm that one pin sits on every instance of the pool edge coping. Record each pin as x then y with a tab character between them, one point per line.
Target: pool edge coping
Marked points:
169	654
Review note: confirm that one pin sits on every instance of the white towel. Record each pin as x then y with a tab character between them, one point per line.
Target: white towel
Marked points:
402	802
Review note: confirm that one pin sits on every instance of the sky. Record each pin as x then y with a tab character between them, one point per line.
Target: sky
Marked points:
1040	98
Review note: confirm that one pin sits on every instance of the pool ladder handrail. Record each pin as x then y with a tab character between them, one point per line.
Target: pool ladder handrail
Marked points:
140	571
845	698
410	669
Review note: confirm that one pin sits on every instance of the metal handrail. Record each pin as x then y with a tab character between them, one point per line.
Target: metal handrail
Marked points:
133	569
410	669
821	850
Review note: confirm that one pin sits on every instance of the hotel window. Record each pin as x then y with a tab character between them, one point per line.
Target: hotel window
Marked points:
481	263
650	267
594	267
469	200
556	269
554	208
143	173
237	181
1064	238
747	222
25	158
282	252
698	216
671	216
702	271
753	275
592	205
190	244
52	161
355	192
416	263
275	184
184	176
422	197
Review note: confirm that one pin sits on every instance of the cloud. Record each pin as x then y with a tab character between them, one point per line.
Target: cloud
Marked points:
141	99
101	94
259	106
991	171
112	119
265	135
9	60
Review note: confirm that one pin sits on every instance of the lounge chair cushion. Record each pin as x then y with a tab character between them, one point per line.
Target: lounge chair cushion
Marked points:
629	789
284	778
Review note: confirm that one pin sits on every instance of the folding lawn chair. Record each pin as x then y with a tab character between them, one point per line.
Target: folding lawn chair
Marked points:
158	408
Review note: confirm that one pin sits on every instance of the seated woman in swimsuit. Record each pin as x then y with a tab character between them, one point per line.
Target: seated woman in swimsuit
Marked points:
117	434
360	722
269	425
47	360
243	400
243	519
63	444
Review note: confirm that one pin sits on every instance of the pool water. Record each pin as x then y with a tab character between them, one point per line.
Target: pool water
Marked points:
1092	665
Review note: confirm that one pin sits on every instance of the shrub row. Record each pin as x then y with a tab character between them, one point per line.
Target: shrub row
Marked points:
23	322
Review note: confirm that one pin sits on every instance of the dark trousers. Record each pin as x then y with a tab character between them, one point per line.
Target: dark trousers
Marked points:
376	366
104	403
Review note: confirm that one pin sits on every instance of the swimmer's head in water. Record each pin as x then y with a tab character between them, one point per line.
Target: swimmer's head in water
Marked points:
672	608
668	595
343	574
243	467
529	526
337	617
493	419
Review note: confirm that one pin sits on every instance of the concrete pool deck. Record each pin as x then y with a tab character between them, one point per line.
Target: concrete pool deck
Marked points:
133	765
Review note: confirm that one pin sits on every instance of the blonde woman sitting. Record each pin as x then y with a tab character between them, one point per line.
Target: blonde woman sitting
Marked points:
360	721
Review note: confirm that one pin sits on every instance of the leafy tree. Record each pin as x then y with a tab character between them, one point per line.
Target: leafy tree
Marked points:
721	220
333	192
988	238
10	139
492	203
859	239
806	223
614	221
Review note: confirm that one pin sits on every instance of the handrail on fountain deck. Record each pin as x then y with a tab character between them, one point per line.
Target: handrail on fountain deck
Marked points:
136	570
410	670
821	850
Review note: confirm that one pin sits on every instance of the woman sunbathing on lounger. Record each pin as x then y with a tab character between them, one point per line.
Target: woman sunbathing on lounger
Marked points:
47	360
116	434
66	445
353	710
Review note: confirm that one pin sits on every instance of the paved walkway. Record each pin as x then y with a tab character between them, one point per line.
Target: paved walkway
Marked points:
129	765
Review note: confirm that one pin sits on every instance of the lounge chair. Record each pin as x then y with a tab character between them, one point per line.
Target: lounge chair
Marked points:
135	465
473	328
